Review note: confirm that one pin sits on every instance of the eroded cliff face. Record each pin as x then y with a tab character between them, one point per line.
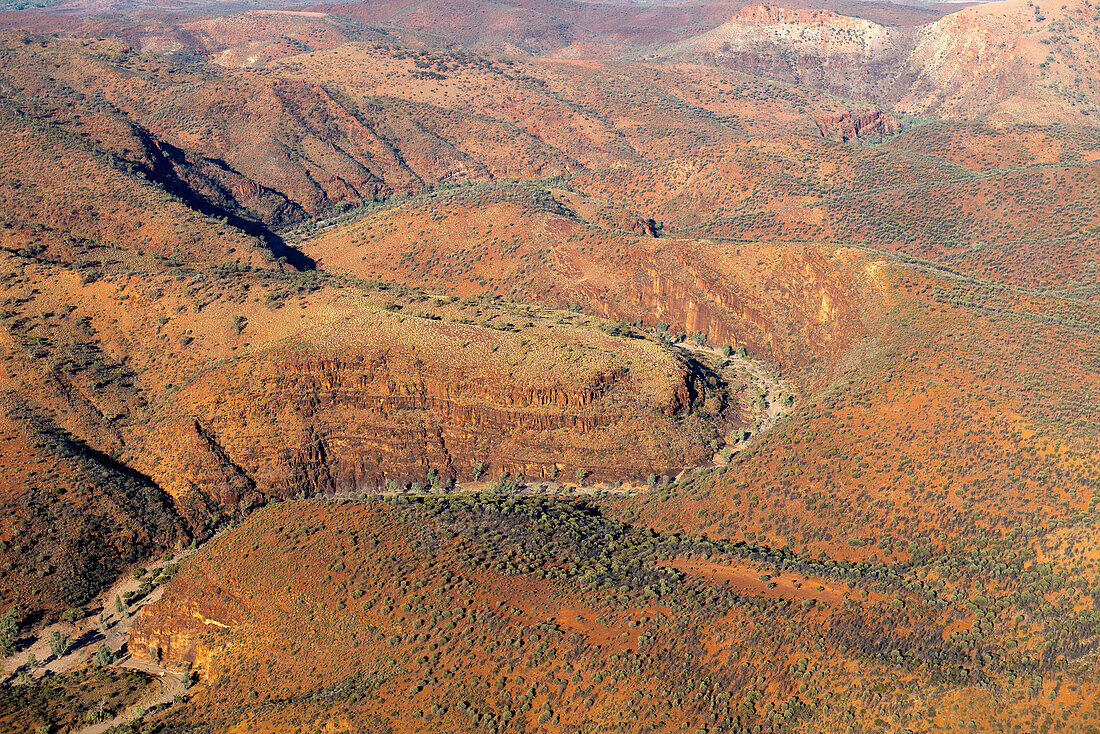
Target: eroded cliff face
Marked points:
962	68
309	420
185	630
396	399
807	25
847	125
691	299
794	305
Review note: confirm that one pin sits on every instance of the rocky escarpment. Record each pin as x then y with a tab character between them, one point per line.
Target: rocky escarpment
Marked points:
693	300
643	226
348	392
182	631
800	308
391	415
847	126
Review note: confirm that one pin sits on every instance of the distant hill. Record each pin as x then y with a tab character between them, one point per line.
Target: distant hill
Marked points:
1018	61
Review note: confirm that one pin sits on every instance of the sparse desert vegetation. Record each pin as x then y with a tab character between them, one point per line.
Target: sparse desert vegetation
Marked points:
549	366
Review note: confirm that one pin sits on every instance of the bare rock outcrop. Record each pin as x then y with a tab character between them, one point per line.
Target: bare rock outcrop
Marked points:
847	125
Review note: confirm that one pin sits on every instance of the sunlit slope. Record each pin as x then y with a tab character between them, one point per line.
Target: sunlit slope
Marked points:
485	613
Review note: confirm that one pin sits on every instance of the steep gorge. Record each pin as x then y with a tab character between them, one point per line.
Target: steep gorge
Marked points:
231	403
